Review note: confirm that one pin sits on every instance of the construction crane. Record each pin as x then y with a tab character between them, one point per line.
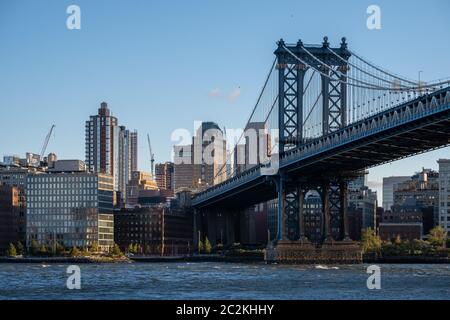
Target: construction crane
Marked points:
152	156
45	144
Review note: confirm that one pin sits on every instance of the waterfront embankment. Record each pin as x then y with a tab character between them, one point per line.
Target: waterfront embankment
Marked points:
74	260
208	258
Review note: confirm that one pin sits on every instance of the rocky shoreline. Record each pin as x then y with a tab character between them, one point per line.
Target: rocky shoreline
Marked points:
208	258
73	260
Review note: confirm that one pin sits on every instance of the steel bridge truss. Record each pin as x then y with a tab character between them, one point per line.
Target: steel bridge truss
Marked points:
328	162
291	76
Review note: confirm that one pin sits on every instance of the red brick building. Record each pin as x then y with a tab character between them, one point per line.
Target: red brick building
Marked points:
11	217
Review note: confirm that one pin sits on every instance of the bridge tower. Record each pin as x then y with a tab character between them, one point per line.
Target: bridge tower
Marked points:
293	62
291	76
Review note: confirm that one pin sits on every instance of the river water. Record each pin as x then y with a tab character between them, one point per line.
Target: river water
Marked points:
223	281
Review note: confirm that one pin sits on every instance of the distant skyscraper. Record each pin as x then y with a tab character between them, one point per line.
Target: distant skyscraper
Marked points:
255	150
111	149
444	193
205	165
212	171
127	158
102	134
388	190
164	175
134	150
183	176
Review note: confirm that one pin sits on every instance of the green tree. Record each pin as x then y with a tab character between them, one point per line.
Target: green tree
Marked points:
115	251
34	247
437	236
20	248
11	251
85	251
74	252
59	248
208	247
42	249
130	248
201	246
398	240
371	243
94	247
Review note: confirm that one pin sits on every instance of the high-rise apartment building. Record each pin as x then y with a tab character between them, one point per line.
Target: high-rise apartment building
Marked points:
444	193
127	159
164	175
102	137
134	151
111	149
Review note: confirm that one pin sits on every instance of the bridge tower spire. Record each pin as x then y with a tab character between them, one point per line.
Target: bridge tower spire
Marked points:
291	75
291	88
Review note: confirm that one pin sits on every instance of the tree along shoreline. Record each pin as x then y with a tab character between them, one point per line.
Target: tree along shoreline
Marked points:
62	259
367	259
57	252
436	249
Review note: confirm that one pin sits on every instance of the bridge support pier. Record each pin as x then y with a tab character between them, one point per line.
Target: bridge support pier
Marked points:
301	216
326	215
219	226
343	187
338	249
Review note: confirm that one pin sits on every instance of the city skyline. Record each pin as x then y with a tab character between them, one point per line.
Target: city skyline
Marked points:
212	153
381	172
137	84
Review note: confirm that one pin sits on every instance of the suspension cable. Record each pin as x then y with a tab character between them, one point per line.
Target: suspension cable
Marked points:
429	85
380	69
340	73
358	68
252	113
327	76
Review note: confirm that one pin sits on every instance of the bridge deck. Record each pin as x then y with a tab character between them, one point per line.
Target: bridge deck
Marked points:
411	128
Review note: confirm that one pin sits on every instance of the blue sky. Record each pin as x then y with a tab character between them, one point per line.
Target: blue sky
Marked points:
156	63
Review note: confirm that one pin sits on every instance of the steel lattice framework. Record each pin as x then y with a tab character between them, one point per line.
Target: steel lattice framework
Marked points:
367	116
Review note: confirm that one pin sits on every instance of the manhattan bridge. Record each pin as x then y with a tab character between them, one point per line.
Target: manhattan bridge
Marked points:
336	114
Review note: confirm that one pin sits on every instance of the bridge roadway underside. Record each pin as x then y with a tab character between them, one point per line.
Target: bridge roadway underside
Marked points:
425	134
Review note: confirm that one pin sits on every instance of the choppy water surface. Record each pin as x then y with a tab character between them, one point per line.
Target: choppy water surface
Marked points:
223	281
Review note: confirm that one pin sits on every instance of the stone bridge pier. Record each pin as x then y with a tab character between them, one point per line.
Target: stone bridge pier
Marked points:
336	246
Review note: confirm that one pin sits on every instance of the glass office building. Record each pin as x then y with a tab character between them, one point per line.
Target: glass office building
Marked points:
74	209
